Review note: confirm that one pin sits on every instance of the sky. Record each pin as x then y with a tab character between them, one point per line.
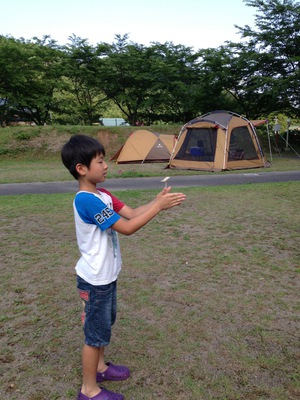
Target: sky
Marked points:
192	23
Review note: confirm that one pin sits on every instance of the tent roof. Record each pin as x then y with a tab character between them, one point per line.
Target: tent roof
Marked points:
222	118
218	117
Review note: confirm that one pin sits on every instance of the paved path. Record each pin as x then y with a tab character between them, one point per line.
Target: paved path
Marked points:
153	183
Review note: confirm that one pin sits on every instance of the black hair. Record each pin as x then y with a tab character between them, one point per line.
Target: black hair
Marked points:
80	149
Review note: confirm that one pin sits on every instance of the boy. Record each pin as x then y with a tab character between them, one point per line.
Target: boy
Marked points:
98	217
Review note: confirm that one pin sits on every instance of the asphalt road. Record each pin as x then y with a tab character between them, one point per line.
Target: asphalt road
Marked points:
152	183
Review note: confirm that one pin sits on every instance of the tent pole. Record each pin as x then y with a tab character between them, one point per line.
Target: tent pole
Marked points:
255	137
288	145
269	141
226	148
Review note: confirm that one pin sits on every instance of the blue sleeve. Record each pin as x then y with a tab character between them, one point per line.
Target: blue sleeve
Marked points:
93	211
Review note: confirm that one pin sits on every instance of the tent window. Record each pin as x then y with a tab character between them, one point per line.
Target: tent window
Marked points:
199	145
241	145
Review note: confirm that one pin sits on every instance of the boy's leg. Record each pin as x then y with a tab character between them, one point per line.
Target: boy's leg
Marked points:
101	363
90	359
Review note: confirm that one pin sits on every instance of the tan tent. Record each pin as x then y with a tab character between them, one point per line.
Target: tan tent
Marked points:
218	141
144	146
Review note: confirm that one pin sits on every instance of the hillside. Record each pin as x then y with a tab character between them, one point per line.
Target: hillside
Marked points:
25	142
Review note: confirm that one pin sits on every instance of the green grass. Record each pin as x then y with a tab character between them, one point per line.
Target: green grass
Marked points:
208	297
22	171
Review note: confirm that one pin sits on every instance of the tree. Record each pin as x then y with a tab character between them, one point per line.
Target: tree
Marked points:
235	80
214	81
30	72
175	69
274	53
125	76
82	68
150	83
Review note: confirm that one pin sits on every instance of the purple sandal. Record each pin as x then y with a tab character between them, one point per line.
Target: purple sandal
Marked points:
113	373
103	395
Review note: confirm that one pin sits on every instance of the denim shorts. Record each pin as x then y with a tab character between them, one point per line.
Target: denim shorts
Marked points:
99	311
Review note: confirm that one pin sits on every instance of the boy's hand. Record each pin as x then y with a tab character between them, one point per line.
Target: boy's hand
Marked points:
166	200
164	191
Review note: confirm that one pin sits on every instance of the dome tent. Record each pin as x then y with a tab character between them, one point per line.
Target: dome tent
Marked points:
218	141
143	146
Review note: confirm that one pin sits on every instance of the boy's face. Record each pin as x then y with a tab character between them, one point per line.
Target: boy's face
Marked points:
97	170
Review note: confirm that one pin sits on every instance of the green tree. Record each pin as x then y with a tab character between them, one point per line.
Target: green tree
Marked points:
175	71
30	72
235	80
82	68
150	83
272	52
126	76
214	81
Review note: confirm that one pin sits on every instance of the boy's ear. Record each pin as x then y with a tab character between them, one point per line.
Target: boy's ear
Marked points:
81	169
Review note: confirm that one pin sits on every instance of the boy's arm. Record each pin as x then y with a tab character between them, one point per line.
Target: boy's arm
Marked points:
129	213
150	210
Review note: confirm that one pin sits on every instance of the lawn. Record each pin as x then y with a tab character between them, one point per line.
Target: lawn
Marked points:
208	298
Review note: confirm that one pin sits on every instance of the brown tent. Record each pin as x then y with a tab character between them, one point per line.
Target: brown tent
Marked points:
218	141
144	146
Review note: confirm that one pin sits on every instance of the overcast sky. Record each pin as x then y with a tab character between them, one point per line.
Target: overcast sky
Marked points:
193	23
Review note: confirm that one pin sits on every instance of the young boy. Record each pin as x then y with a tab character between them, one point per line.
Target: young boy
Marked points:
98	217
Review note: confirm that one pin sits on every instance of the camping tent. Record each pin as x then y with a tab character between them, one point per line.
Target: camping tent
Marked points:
144	146
217	141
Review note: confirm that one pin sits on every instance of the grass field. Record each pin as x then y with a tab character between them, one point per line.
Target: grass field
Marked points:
208	298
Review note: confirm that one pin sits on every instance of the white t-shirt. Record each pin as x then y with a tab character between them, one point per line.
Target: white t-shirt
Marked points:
100	262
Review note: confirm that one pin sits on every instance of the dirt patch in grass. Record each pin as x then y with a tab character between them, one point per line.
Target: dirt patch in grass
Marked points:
208	298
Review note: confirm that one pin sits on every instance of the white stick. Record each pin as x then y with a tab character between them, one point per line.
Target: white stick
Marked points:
165	180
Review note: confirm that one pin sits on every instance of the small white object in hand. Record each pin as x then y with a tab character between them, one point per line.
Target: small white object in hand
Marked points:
165	180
